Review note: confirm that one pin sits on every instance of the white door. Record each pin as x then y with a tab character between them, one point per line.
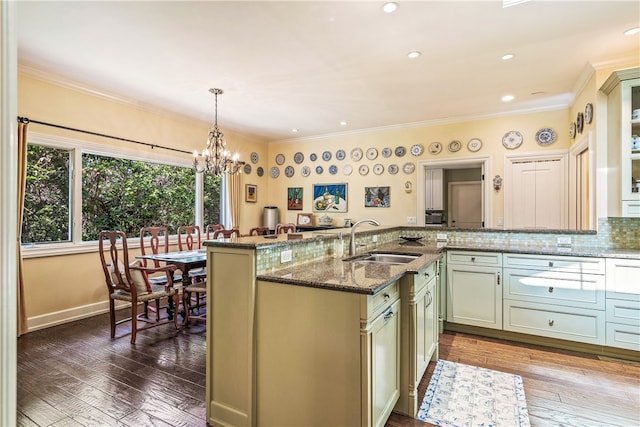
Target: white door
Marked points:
465	204
582	191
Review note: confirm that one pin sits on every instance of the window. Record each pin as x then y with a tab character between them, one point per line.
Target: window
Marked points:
47	202
75	189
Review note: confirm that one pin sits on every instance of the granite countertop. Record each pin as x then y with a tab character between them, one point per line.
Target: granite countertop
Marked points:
522	248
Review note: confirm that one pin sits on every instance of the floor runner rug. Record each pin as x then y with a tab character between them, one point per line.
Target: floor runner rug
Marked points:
461	395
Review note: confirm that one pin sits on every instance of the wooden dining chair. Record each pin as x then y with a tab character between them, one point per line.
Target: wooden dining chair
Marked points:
227	234
259	231
288	227
189	237
155	240
128	282
212	228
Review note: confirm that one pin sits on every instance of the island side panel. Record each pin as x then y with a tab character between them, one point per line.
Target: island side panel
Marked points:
230	332
308	356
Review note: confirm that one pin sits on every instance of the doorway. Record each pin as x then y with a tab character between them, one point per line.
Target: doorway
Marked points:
465	204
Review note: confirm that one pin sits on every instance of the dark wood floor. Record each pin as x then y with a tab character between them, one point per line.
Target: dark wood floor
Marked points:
75	375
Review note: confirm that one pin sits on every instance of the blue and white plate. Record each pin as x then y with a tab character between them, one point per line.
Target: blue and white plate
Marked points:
298	157
254	157
326	156
260	171
274	172
393	169
319	170
340	154
386	152
313	157
247	168
400	151
333	169
289	171
280	159
305	171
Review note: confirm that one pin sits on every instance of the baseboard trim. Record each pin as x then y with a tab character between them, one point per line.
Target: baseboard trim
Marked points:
599	350
65	316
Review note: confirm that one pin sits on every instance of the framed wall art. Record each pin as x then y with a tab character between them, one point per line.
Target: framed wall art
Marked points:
330	197
250	193
294	198
376	197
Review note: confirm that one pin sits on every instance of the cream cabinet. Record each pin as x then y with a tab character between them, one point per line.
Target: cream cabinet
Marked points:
474	291
555	296
623	98
419	342
623	303
434	199
325	357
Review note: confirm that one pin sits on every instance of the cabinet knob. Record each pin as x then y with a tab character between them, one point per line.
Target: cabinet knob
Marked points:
426	274
550	289
550	322
473	259
550	263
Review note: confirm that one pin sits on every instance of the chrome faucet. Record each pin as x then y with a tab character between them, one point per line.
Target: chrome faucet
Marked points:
352	243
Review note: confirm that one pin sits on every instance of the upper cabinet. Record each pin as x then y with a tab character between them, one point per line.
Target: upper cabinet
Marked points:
623	134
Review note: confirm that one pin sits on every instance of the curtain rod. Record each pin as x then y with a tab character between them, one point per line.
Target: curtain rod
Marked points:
26	120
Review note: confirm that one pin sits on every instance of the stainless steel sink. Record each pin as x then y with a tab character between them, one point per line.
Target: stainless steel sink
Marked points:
382	258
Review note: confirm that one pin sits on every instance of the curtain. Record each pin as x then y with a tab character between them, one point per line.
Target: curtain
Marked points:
233	187
22	173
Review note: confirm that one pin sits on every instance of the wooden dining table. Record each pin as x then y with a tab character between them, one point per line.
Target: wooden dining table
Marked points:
185	261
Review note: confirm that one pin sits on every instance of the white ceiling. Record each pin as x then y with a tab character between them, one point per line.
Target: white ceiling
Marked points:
312	64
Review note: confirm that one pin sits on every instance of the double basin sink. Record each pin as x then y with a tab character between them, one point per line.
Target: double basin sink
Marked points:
383	258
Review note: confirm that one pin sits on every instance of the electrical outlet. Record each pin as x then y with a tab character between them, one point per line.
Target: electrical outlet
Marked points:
441	236
411	220
374	239
564	241
285	256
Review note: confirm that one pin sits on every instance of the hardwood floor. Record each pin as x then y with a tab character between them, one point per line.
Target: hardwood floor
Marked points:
75	375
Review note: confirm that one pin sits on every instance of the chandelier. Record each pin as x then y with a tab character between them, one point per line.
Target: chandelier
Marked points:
215	159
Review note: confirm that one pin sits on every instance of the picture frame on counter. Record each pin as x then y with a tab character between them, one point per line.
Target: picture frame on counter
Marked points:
330	197
304	219
250	193
294	198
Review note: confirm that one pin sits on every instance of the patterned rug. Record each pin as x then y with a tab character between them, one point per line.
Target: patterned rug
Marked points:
462	395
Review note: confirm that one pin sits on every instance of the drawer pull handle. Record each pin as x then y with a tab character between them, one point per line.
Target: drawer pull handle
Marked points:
473	259
389	315
550	263
426	274
550	289
386	296
550	322
498	279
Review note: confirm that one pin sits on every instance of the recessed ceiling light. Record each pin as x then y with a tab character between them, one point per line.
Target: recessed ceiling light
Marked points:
390	7
294	130
414	54
508	56
507	98
343	123
632	31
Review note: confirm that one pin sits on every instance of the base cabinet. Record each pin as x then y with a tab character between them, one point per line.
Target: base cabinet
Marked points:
623	303
474	291
420	327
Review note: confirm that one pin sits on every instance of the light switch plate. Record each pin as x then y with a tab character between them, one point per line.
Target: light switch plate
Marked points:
564	241
411	220
285	256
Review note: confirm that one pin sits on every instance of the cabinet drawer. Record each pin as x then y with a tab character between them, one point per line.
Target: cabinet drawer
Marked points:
571	289
567	323
623	336
423	277
623	311
378	302
623	279
475	258
556	263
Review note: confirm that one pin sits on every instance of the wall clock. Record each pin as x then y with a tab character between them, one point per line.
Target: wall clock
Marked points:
512	139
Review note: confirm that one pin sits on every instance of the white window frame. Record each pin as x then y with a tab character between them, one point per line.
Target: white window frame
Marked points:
79	147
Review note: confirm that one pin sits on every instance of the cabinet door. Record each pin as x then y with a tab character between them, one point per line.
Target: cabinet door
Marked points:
385	364
474	295
431	322
434	189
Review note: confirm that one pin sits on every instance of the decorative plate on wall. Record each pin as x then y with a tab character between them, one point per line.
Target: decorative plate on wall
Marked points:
313	157
247	168
274	172
386	152
454	146
260	171
435	148
580	122
319	170
340	155
408	168
572	130
254	157
588	113
417	149
512	139
364	169
545	136
474	145
305	171
356	154
289	171
400	151
393	169
326	156
347	170
298	157
333	169
280	159
378	168
372	153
